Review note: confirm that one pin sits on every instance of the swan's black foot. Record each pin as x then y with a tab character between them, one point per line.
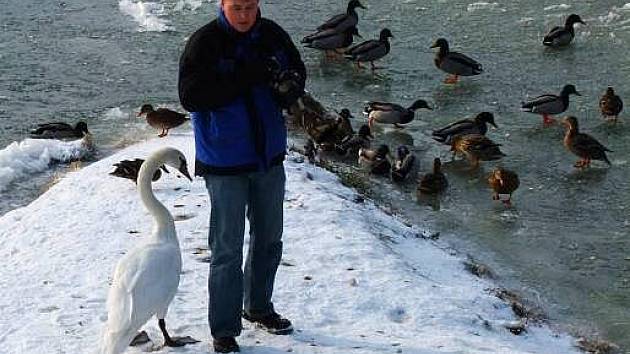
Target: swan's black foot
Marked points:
180	341
139	339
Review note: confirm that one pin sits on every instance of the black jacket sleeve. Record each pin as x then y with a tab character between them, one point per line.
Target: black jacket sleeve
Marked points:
201	87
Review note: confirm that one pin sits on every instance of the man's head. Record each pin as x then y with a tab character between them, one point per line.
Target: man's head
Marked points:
241	14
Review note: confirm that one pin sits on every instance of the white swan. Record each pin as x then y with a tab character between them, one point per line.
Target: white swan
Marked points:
146	279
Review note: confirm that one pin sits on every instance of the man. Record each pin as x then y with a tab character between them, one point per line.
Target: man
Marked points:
229	77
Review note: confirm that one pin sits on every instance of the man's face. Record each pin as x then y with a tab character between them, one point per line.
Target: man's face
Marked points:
241	14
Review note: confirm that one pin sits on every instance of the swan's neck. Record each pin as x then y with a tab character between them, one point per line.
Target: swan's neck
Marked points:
164	224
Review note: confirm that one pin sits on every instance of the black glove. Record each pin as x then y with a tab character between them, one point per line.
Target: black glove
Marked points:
287	88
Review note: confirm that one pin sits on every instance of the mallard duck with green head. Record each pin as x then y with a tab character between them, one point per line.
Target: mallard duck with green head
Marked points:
60	131
549	104
454	63
343	21
475	148
392	113
477	125
561	36
583	145
503	183
371	50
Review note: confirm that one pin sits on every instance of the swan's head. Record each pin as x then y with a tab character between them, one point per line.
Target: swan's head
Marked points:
174	158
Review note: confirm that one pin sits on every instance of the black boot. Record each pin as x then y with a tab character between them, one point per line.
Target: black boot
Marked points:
273	323
225	345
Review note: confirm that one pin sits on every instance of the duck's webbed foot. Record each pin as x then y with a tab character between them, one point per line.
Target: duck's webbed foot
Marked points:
548	120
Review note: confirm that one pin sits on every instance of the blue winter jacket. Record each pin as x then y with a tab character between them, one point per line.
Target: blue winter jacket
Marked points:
238	126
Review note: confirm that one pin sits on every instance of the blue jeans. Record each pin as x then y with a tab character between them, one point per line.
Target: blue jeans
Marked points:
261	196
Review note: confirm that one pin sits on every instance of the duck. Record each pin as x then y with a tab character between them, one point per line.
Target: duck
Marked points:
375	161
146	278
610	105
331	40
454	63
478	125
503	183
310	151
550	104
60	131
352	143
162	118
561	36
476	147
129	169
341	22
583	145
371	50
403	164
391	113
434	182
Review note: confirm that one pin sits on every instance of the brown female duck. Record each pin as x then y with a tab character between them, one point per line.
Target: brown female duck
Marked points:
583	145
433	183
503	182
610	105
162	118
475	148
129	169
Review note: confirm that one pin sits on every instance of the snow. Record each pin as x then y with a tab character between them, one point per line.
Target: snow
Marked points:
21	159
353	279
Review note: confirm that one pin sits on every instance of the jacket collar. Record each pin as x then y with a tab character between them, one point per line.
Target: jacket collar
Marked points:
253	33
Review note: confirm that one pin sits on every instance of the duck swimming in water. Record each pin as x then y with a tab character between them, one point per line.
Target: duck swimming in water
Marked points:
549	104
610	105
503	183
583	145
341	22
391	113
371	50
478	125
60	131
434	182
162	118
561	36
454	63
129	169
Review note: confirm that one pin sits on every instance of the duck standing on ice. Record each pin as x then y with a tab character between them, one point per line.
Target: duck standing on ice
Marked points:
562	36
549	104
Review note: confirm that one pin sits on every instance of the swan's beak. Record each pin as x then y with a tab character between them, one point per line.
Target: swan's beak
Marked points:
183	168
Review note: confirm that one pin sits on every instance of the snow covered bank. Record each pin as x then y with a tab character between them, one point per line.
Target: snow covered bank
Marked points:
352	279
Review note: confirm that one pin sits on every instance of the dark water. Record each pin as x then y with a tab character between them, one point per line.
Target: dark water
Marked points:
566	241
